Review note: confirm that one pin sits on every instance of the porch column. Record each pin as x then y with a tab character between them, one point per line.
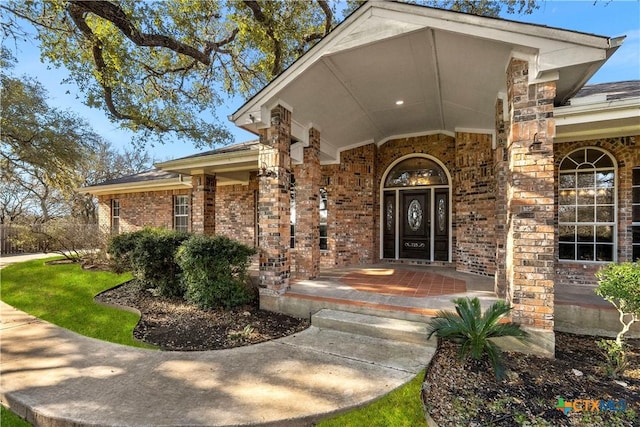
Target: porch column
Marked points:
307	212
530	245
274	203
203	204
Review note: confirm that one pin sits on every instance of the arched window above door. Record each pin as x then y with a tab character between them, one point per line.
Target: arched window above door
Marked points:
415	172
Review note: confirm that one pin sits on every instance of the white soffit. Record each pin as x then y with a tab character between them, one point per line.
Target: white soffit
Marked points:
447	68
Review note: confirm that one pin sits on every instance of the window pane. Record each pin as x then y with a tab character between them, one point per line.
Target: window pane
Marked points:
586	197
586	213
636	234
636	213
585	252
567	197
567	213
605	196
603	161
636	252
567	251
416	171
604	252
604	233
578	157
567	233
604	179
636	176
605	214
585	233
585	180
567	180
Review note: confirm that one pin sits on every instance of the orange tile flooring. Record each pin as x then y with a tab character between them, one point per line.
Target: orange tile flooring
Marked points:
404	283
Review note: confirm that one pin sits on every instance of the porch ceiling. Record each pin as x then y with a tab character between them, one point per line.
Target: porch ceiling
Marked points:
447	68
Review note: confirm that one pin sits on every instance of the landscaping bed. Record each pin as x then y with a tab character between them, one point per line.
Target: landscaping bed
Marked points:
174	324
461	393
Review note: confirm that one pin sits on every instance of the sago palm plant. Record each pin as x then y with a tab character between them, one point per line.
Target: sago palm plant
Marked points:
473	330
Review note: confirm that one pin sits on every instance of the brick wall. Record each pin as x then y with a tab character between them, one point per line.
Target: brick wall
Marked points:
626	152
137	210
530	260
236	211
475	204
352	213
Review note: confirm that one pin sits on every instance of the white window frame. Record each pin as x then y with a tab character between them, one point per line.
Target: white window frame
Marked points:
115	216
589	167
181	211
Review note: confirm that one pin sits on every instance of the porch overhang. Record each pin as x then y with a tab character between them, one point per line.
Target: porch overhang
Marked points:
594	118
176	183
395	69
229	167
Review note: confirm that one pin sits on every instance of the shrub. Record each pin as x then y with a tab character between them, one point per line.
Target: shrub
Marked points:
472	330
149	254
215	271
620	285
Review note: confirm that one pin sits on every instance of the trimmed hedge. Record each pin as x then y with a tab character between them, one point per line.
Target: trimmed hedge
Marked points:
149	254
215	271
208	271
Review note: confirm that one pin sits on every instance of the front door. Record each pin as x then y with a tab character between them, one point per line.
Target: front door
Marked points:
415	225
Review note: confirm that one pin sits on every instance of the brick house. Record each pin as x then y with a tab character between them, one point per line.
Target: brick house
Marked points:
417	135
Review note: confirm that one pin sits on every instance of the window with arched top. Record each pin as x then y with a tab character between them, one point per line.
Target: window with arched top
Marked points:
416	171
587	206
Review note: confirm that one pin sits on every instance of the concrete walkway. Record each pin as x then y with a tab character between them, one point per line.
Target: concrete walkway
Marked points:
54	377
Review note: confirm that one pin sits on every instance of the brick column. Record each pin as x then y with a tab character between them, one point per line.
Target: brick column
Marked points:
274	203
308	216
203	204
530	245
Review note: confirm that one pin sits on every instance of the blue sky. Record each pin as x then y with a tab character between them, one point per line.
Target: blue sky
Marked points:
606	18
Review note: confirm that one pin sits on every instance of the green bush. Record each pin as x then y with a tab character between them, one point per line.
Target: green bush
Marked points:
121	247
149	254
472	330
620	285
215	271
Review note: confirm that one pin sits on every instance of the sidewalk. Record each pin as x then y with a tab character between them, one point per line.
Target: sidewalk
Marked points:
54	377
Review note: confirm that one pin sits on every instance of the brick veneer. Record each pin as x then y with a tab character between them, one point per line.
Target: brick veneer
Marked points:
236	211
475	204
530	252
203	204
137	210
306	263
274	203
351	197
626	153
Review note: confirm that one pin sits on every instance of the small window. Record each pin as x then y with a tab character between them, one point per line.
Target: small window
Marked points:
181	213
115	216
416	171
324	243
587	206
636	213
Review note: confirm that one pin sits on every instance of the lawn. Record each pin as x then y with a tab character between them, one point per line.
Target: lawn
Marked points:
400	408
9	419
63	295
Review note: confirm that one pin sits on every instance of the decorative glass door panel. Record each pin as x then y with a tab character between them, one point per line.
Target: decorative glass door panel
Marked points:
441	226
389	224
415	225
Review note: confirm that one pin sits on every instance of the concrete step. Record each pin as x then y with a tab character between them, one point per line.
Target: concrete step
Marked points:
373	326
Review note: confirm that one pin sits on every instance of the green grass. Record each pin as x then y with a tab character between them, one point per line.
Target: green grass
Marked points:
400	408
63	295
9	419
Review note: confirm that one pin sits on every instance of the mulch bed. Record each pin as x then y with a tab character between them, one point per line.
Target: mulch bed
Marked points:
174	324
457	393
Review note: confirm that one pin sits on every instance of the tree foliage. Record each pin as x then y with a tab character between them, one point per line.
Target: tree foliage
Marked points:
160	67
47	153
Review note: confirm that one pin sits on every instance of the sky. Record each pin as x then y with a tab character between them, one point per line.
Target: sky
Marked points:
609	18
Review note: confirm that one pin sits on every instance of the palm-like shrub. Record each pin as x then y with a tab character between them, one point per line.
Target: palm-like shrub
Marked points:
473	330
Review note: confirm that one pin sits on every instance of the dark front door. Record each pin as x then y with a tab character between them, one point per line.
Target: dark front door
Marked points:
415	225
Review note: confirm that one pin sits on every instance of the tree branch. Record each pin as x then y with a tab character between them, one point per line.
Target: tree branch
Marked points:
261	18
